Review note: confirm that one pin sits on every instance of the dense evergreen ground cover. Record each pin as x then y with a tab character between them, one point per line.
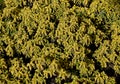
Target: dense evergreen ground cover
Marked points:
59	42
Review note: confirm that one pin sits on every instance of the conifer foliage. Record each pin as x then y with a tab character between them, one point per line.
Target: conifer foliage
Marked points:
59	42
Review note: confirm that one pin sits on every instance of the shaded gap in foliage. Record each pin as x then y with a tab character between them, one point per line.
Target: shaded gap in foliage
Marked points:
51	80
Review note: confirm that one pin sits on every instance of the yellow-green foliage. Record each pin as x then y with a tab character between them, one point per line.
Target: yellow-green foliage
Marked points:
59	41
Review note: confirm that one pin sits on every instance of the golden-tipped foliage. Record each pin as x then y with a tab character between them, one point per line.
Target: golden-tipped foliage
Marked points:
59	41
